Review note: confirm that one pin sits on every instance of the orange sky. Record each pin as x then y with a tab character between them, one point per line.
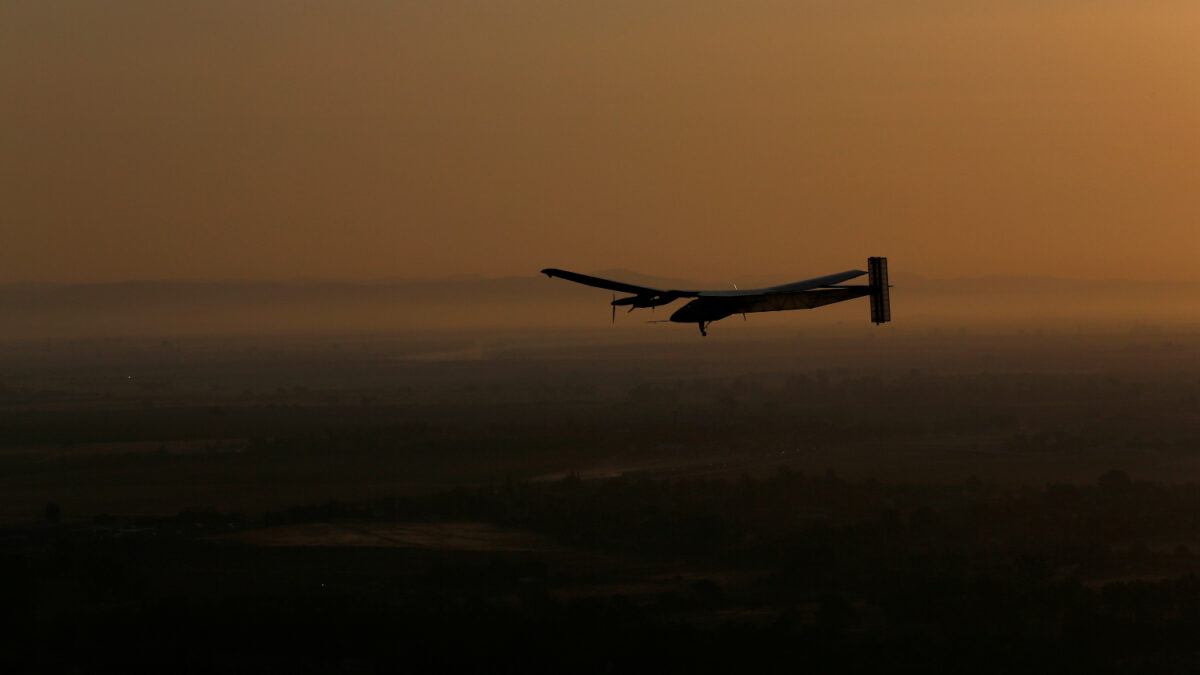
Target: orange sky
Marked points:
275	140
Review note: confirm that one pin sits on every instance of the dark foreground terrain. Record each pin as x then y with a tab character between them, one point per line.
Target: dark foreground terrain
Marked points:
849	501
706	574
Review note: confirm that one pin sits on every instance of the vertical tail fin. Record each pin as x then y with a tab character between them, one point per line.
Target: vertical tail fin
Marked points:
881	303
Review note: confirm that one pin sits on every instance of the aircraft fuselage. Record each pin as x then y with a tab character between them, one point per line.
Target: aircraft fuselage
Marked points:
702	310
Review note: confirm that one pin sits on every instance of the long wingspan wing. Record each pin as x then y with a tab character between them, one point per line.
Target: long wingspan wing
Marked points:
807	284
611	285
778	301
827	280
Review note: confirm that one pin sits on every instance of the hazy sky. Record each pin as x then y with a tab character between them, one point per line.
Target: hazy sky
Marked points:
275	140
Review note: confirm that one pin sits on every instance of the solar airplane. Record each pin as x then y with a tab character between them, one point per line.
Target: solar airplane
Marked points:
710	306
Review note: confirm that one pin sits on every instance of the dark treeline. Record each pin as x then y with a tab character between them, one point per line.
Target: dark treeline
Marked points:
813	571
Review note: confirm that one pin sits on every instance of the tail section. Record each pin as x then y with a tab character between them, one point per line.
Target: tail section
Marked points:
881	303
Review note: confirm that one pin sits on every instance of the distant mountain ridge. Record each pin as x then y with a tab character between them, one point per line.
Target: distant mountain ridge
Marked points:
169	307
538	285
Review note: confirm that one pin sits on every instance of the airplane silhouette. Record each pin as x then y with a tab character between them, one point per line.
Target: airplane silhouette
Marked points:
710	306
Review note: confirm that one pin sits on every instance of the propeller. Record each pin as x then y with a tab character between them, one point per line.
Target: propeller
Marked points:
614	308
